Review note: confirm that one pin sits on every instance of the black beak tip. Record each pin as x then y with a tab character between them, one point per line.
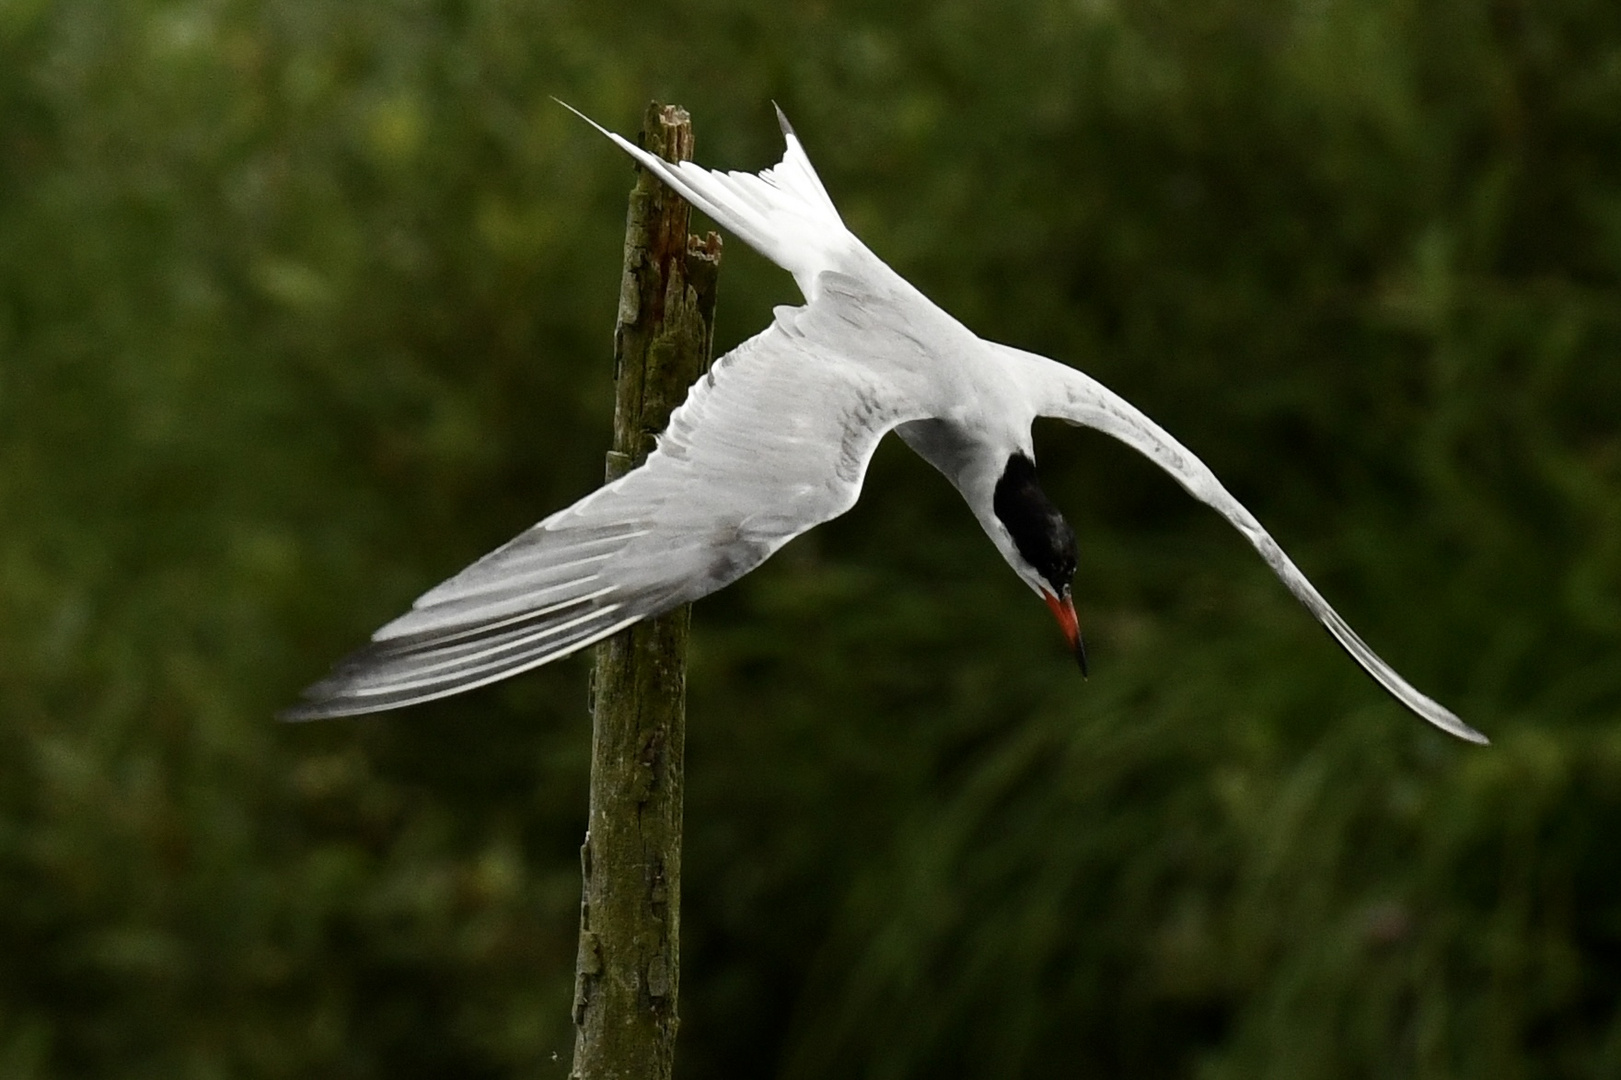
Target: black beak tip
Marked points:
1080	656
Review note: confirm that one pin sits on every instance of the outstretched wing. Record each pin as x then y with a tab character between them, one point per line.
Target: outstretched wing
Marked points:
1067	394
774	440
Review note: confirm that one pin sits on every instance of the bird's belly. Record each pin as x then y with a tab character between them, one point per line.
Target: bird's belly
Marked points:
947	446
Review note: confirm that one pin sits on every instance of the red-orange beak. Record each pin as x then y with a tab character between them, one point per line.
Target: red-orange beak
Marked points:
1064	611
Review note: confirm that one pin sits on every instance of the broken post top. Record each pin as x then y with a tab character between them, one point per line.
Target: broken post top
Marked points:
666	299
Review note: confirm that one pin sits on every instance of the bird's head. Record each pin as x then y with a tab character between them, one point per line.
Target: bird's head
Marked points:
1043	545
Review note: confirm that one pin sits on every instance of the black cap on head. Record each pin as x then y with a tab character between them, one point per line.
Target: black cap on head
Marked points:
1039	531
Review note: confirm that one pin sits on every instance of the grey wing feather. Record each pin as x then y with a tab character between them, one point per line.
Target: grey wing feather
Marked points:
774	440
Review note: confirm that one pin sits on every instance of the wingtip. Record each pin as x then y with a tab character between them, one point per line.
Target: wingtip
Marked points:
319	706
303	712
322	700
1448	721
327	699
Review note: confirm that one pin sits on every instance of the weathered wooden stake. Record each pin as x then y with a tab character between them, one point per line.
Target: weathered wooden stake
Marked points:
627	974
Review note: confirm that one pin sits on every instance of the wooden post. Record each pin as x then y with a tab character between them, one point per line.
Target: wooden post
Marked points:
627	973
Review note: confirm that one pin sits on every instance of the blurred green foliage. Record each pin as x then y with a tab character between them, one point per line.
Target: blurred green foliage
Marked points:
304	305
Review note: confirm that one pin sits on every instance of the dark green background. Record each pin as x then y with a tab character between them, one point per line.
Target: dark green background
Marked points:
303	305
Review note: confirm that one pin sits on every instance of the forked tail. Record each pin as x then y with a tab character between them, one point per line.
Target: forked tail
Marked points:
784	213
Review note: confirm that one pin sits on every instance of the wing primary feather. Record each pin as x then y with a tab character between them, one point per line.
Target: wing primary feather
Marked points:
451	634
496	571
509	577
342	704
434	664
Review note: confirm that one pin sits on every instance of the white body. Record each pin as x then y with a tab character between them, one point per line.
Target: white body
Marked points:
773	441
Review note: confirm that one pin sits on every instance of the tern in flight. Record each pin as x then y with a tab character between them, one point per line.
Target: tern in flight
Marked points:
775	440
